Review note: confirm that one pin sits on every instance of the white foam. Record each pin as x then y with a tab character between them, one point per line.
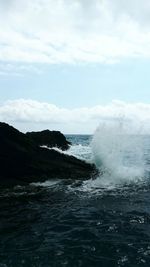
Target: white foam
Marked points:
118	151
48	183
80	151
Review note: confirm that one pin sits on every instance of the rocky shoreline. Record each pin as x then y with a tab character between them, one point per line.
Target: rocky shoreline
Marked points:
23	161
49	139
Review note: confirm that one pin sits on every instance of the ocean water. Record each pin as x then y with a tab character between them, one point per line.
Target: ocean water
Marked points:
93	223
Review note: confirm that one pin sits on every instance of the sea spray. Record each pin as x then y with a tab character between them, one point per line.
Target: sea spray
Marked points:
118	150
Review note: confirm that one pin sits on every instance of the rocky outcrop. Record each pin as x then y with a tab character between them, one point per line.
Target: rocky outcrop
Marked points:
23	161
49	139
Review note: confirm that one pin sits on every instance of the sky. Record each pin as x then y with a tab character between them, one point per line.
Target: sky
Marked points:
70	64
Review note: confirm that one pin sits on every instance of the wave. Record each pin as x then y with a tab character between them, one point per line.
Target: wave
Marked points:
79	151
118	150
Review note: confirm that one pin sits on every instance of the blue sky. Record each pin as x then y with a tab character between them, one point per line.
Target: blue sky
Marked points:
83	60
80	85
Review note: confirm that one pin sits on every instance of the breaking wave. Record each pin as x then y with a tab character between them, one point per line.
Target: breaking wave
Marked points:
118	150
119	153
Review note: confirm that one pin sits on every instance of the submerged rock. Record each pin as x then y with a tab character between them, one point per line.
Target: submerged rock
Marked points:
49	139
23	161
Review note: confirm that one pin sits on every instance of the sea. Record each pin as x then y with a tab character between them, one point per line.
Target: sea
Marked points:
98	222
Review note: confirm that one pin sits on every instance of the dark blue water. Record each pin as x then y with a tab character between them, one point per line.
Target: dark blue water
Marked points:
60	224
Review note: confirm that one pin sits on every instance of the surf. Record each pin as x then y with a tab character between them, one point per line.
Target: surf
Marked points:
118	152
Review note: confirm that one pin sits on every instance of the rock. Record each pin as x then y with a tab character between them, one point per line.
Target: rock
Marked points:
49	139
23	161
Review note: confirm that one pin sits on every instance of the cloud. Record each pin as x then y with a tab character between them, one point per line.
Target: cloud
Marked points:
10	69
79	31
29	115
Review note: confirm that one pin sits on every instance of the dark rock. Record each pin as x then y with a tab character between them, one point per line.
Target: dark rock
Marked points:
23	161
49	139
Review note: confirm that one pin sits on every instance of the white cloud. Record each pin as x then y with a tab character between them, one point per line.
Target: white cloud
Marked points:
10	69
31	115
63	31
